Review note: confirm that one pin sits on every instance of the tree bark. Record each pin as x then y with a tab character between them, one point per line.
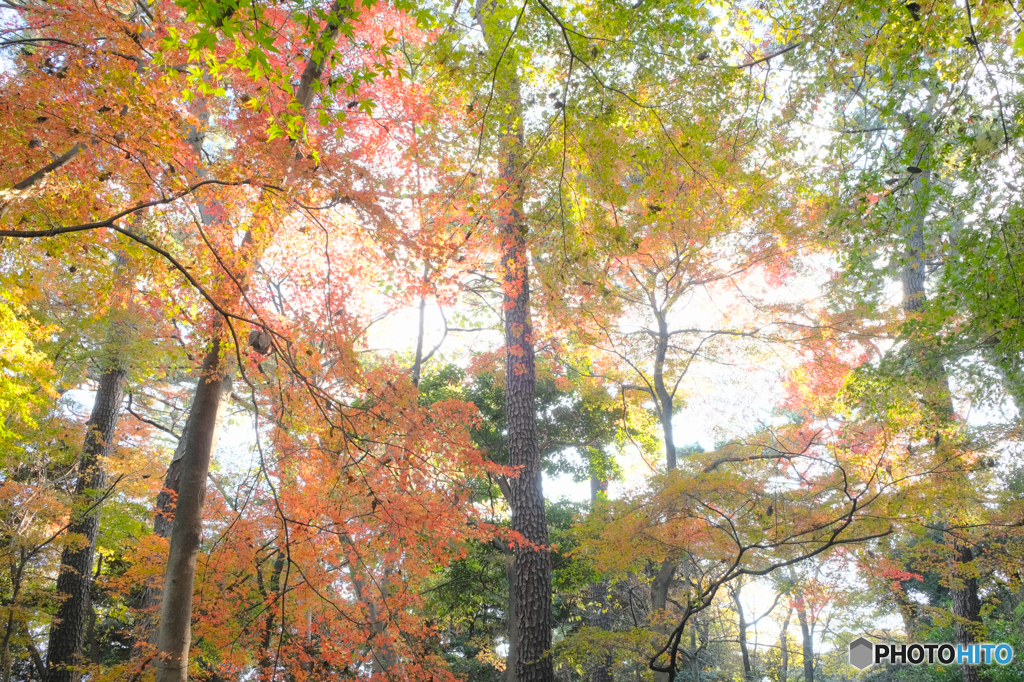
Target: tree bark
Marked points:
784	645
659	601
67	634
967	610
665	399
513	623
600	616
806	633
175	634
663	580
744	649
163	521
529	517
966	603
272	591
532	565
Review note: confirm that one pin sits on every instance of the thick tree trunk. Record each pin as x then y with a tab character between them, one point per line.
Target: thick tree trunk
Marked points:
175	635
513	623
67	634
966	604
163	521
529	517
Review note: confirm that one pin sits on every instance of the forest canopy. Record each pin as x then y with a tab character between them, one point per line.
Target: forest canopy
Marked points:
605	340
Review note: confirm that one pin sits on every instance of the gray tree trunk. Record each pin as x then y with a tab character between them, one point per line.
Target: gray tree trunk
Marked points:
784	645
664	400
175	633
807	638
744	649
67	633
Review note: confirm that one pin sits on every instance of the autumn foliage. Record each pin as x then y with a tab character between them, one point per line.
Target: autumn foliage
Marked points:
487	341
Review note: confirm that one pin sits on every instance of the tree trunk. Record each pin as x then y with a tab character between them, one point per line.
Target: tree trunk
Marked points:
175	635
532	565
513	623
599	616
808	640
659	600
665	400
529	517
661	583
966	604
695	659
163	521
67	633
744	649
601	667
967	610
5	649
266	665
784	645
913	275
908	612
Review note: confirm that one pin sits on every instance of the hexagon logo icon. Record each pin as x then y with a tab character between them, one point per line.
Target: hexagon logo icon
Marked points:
862	653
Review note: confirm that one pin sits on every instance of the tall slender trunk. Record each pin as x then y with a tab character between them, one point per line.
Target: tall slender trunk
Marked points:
5	649
529	517
807	637
784	646
417	365
385	659
175	634
600	616
532	587
744	649
695	660
163	520
270	591
67	634
664	401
